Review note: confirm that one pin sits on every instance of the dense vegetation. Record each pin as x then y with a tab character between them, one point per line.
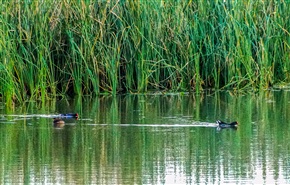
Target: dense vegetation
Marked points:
50	48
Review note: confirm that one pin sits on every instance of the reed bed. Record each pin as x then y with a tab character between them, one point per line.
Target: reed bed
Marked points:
50	48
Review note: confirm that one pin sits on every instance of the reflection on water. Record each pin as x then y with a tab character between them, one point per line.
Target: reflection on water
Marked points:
149	139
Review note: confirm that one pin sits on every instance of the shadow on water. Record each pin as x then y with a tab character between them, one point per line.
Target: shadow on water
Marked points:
149	139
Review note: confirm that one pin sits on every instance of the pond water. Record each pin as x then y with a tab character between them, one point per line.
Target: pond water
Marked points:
149	139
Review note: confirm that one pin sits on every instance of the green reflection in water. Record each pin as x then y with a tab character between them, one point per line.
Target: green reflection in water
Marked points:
98	149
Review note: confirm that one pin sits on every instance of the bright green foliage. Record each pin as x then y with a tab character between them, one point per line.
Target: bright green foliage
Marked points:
50	48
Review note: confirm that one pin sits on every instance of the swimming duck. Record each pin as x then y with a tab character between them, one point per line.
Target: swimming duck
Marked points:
58	123
70	115
222	124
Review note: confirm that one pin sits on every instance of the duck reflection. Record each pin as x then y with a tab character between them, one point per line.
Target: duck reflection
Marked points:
58	123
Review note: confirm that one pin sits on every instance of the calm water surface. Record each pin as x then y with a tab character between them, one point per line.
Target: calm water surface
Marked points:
149	139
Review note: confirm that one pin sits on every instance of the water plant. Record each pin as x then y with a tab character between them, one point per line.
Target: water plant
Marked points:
54	48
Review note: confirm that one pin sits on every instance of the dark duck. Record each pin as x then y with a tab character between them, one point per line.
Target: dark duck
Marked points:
70	115
222	124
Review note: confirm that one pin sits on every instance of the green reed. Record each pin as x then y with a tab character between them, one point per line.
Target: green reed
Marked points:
92	47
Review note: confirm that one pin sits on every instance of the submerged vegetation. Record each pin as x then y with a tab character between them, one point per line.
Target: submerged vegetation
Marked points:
50	48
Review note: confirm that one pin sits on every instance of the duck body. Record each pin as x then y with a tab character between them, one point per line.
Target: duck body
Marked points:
69	115
222	124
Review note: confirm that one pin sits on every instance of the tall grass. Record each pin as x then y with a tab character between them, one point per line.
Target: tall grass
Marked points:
90	47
